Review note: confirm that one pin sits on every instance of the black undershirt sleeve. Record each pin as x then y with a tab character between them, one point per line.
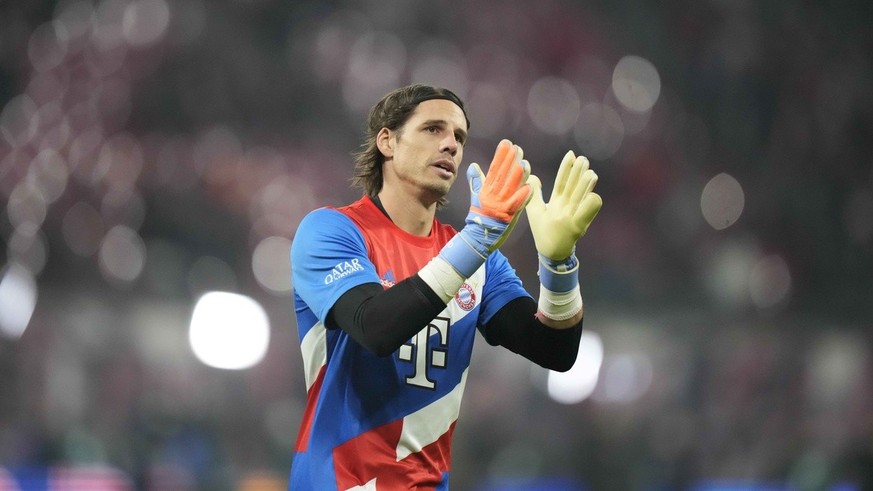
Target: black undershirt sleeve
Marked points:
381	320
516	328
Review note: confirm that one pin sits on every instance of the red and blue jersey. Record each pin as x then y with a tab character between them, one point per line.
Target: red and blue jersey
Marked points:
381	422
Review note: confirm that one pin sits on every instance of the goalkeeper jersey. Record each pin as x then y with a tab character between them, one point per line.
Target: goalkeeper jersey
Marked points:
381	423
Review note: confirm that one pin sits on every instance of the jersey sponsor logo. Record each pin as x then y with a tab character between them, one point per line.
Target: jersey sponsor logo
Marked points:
466	297
343	269
426	353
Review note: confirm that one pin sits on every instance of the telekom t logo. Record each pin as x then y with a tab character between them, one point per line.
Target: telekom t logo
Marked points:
426	352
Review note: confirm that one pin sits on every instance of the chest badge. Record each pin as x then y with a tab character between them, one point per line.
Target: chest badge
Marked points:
466	297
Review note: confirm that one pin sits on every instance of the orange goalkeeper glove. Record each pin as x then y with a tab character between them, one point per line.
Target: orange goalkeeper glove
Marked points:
495	204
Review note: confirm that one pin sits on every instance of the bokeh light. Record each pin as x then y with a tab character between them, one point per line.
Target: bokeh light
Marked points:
271	265
624	378
121	255
636	83
722	201
553	105
145	21
578	383
769	281
229	331
18	294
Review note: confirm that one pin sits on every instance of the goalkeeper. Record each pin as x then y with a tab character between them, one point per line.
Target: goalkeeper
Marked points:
389	299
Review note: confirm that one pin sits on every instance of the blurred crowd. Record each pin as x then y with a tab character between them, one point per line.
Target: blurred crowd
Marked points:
152	151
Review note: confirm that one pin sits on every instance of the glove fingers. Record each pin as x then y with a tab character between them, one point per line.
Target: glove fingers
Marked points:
475	178
580	165
519	199
587	181
587	211
563	174
536	202
504	155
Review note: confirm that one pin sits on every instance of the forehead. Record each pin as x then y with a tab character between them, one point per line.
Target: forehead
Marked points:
439	109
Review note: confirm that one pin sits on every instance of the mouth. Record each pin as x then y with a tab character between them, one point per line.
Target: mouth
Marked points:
446	166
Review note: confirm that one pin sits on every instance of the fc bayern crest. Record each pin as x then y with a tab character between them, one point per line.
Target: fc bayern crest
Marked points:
466	297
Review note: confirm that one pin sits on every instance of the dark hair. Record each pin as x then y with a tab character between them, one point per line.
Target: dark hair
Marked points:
392	112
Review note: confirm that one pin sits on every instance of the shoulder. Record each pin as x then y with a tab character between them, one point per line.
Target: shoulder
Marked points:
326	229
322	220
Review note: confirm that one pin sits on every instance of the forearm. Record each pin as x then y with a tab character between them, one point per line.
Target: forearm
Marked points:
519	327
381	320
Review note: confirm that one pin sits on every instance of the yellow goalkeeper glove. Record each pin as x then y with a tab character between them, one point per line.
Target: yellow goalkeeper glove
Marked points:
557	225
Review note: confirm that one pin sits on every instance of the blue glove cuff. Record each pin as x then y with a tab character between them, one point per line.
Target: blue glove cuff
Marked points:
559	276
462	255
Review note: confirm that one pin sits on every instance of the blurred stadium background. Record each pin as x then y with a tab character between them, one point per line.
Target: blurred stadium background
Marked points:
156	157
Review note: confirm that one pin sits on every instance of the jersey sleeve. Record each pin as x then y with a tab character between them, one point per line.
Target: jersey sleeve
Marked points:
328	258
502	285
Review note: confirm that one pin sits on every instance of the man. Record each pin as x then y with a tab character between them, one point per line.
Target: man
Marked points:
388	299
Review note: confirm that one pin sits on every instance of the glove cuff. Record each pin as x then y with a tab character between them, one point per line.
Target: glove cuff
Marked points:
559	276
462	255
442	278
560	306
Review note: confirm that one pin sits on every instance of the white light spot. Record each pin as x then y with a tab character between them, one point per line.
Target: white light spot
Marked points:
47	46
625	378
636	83
577	384
27	206
271	264
18	294
727	274
769	281
229	331
722	201
29	247
122	255
145	22
48	172
553	105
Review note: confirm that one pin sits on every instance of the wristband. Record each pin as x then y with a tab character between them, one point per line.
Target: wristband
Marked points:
463	255
560	306
442	278
559	276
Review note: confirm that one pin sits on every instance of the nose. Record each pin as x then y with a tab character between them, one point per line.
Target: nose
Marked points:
450	145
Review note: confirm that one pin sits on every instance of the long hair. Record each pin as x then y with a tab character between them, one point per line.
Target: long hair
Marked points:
392	112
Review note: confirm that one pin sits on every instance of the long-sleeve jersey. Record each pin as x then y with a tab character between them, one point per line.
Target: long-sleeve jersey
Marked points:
381	422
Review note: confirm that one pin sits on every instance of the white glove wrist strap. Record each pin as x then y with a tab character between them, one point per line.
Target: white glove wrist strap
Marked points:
560	306
442	278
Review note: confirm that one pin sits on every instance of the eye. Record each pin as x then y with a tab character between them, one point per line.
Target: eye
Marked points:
432	129
460	138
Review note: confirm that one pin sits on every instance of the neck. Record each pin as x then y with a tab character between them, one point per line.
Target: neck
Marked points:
411	215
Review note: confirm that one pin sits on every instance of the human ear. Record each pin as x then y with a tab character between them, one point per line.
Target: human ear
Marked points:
385	142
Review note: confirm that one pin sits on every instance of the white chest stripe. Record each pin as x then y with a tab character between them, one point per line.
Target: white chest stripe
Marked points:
426	425
369	486
314	351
